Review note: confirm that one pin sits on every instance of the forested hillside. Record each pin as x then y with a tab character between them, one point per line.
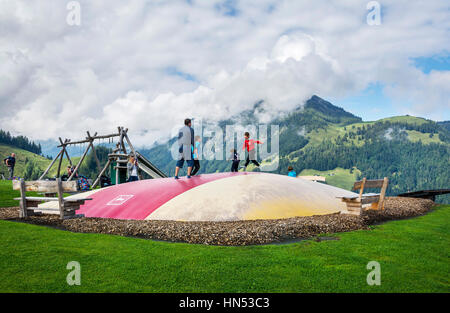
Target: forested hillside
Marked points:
21	142
413	152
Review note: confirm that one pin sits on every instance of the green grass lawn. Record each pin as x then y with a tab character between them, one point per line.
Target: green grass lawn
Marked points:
413	255
7	194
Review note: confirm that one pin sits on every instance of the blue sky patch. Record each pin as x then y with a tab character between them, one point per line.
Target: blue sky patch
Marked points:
228	8
176	72
440	62
370	104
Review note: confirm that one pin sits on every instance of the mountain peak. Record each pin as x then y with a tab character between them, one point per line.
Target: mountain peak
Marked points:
318	104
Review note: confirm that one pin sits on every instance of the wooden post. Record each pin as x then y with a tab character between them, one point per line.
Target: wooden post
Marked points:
99	167
65	150
60	162
133	151
131	146
382	194
60	197
361	190
23	201
79	163
50	166
122	145
117	174
101	173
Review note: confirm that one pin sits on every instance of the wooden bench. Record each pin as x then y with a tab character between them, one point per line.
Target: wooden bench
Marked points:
66	207
356	204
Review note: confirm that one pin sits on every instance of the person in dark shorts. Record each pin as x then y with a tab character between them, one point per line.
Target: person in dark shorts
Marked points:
249	145
185	143
195	155
10	162
235	158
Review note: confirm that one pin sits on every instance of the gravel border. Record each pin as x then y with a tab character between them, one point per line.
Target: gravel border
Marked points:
235	233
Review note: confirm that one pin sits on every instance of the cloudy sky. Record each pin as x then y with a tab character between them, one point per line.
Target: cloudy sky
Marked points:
147	65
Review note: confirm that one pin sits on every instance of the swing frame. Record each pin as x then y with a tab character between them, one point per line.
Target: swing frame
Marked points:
89	141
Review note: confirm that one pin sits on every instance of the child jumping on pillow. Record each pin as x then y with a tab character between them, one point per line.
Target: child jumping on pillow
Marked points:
249	144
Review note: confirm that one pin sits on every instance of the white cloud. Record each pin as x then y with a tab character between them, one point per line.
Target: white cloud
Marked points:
147	65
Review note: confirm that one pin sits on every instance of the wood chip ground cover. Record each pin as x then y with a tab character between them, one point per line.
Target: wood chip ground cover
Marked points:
235	232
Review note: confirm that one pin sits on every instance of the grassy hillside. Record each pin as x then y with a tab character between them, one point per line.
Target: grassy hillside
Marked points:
412	253
413	152
339	177
425	138
406	119
23	156
333	132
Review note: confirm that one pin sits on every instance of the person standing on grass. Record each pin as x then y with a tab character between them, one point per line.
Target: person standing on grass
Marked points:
132	169
291	172
195	155
10	162
249	145
185	143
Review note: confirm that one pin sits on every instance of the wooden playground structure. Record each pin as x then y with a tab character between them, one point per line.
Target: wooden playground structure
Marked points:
53	190
116	160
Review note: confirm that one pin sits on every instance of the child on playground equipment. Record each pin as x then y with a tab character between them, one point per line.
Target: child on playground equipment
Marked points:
249	144
70	170
291	172
235	158
132	169
195	155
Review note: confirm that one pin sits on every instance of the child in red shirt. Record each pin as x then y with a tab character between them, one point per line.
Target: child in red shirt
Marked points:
249	144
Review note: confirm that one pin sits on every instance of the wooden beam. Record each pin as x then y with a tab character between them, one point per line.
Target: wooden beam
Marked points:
79	163
130	145
118	155
46	199
45	185
60	162
369	183
361	190
117	176
67	153
60	198
23	201
39	198
99	167
121	145
383	193
50	166
88	140
101	174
